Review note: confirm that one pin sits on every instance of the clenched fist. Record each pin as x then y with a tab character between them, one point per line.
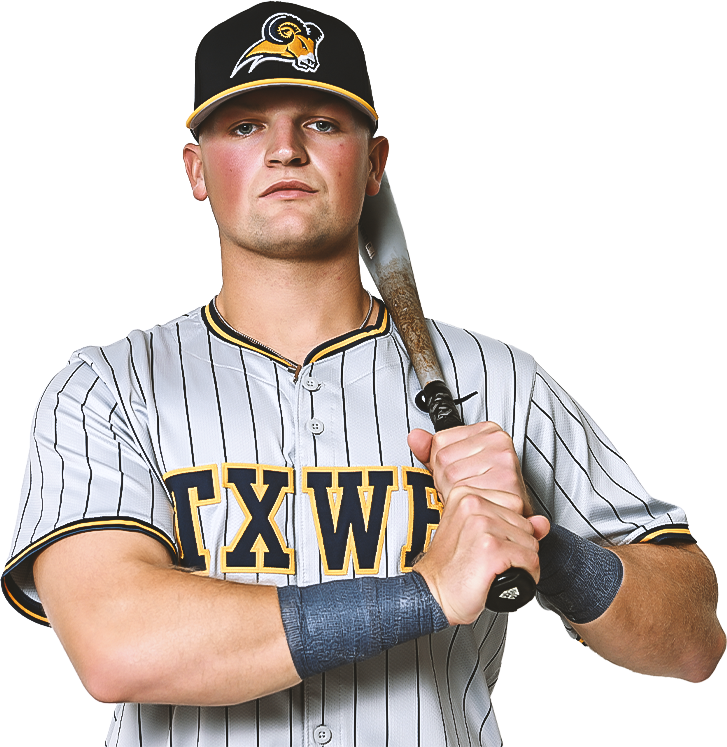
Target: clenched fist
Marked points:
487	524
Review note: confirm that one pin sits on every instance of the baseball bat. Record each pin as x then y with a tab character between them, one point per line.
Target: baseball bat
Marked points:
382	246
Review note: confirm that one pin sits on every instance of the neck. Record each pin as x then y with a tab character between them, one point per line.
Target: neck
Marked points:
292	306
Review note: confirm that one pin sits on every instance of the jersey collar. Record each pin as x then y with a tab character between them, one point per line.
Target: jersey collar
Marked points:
222	330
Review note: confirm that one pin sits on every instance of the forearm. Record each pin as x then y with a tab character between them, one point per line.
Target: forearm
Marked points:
663	620
203	642
147	632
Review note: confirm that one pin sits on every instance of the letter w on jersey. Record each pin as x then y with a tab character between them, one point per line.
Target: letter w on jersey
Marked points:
350	508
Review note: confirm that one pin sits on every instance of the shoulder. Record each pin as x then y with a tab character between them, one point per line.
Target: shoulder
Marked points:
459	347
140	346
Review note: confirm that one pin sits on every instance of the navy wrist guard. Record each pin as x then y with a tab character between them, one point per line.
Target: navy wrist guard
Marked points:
339	622
578	578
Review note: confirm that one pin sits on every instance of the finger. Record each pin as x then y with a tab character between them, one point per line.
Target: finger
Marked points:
500	545
511	503
487	451
477	515
420	443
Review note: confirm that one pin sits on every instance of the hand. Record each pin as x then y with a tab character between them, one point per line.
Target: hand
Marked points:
480	455
483	531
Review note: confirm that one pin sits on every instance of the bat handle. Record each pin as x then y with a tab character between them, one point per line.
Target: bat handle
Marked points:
515	587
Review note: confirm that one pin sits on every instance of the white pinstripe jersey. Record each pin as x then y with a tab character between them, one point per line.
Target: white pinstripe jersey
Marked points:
198	437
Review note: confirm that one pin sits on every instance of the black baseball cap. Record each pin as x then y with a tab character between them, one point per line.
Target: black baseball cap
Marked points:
279	44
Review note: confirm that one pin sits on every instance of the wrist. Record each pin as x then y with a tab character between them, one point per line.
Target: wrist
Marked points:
578	578
339	622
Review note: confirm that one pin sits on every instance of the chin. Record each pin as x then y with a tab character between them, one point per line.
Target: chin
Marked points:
298	238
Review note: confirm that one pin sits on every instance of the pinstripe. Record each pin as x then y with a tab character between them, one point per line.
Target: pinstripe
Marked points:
484	371
153	396
514	389
449	687
439	695
30	476
120	723
406	397
101	444
85	437
252	410
564	493
138	721
127	417
496	653
533	494
133	368
374	400
222	425
606	473
482	725
153	496
186	401
475	669
454	367
587	475
55	442
121	471
343	410
42	483
579	420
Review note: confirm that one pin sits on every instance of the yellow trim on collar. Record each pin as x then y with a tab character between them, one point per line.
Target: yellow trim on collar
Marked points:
227	336
283	82
352	340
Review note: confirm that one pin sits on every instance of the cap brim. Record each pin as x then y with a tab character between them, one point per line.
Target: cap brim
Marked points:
204	110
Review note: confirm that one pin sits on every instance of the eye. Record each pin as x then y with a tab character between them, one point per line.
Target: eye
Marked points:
323	126
246	128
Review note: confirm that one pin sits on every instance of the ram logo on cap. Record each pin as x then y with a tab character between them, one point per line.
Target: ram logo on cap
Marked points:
286	38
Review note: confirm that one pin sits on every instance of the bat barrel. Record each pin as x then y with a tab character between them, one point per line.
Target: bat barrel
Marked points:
515	587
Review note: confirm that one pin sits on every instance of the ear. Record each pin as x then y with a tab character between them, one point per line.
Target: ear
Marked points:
195	172
378	155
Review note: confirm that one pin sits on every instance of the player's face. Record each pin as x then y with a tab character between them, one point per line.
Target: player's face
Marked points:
286	170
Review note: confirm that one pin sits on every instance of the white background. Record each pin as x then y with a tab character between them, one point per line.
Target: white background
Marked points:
673	60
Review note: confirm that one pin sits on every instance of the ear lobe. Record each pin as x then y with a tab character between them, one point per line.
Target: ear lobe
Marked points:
378	155
195	171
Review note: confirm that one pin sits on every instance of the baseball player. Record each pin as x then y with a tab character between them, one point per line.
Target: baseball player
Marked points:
238	523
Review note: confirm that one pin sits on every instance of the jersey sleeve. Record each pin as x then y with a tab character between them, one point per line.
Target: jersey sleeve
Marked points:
86	471
581	482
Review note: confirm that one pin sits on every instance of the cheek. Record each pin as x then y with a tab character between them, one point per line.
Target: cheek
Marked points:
225	175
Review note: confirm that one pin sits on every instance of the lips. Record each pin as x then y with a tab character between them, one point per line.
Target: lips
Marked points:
288	188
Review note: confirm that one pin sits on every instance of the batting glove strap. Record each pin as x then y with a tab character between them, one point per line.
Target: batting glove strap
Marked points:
339	622
578	578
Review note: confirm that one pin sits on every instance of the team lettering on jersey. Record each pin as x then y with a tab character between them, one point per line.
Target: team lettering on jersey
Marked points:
349	505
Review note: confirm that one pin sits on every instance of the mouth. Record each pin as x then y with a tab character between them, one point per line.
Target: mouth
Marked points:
288	189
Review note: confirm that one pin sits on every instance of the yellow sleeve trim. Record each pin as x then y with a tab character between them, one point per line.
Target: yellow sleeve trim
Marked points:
664	530
87	526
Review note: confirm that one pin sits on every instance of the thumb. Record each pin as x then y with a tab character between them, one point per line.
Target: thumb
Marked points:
420	443
541	526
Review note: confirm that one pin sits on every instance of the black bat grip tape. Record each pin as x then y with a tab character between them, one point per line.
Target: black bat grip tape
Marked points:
515	587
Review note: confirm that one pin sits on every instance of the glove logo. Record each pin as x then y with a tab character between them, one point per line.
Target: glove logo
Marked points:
286	38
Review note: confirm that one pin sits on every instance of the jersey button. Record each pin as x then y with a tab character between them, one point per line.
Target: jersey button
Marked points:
311	384
315	426
322	734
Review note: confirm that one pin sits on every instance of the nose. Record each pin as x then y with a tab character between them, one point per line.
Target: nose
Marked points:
285	144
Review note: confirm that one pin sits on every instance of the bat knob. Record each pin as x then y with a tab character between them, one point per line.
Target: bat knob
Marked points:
440	405
510	591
